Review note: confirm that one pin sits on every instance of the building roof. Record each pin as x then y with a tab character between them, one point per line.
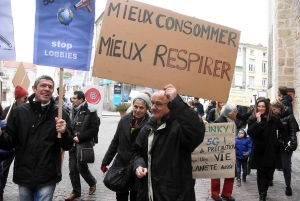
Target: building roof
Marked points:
15	64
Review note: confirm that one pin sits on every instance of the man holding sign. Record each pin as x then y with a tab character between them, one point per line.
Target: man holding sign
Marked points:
32	128
164	146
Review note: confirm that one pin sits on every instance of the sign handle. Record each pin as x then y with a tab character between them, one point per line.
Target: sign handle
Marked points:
8	113
61	75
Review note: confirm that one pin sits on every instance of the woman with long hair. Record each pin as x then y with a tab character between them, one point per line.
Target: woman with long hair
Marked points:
291	126
268	136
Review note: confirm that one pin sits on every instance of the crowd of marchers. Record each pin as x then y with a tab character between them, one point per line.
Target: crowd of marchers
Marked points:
149	157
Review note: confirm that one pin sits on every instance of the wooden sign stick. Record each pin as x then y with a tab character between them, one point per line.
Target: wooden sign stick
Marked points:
61	75
8	113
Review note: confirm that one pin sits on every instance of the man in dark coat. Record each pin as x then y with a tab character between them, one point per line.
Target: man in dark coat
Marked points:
199	106
163	149
85	124
284	97
32	128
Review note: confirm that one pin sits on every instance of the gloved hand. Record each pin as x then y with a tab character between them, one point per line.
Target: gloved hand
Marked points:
246	154
288	146
104	168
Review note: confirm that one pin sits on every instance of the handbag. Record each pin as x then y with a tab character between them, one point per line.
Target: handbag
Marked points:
85	152
119	179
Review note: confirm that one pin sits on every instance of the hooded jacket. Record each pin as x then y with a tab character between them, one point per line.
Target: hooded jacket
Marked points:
180	132
242	145
38	154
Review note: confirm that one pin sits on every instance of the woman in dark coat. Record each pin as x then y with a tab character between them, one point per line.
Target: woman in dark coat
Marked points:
291	126
128	128
214	113
268	136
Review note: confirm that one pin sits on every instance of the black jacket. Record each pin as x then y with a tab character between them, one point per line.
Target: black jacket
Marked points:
123	142
200	109
38	153
287	101
86	124
174	140
211	116
238	122
290	125
5	111
265	143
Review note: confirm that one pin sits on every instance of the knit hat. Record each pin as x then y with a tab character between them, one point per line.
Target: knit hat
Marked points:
144	97
20	92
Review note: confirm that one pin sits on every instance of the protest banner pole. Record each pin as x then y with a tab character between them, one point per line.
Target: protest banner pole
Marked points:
61	74
8	113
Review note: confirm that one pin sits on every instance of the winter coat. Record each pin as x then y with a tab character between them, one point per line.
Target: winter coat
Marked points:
290	125
123	142
85	124
38	155
200	109
211	116
242	145
238	122
265	143
180	132
5	111
287	101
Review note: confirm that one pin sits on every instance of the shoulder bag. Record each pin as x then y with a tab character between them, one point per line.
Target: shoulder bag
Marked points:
85	152
119	179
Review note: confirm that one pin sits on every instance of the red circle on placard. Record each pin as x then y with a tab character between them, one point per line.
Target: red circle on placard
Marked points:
92	96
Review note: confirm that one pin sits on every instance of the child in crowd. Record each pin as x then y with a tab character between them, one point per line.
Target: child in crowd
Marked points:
243	146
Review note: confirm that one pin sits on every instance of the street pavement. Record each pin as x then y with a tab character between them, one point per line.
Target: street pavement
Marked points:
109	121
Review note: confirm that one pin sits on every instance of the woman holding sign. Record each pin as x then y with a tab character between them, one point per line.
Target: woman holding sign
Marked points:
268	136
227	114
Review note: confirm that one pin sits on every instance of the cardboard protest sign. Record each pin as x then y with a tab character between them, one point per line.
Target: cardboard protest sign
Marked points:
215	157
240	97
21	78
150	46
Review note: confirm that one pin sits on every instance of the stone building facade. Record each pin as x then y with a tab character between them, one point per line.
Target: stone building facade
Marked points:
284	48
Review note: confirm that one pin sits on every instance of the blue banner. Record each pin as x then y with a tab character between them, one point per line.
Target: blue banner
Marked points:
64	33
7	41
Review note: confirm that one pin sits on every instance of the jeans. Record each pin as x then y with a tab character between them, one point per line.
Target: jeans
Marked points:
241	163
44	193
286	158
6	165
75	170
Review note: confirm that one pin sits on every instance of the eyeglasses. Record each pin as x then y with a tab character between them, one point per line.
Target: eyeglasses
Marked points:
158	104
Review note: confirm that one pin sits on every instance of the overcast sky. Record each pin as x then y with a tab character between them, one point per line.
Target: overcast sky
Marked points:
248	16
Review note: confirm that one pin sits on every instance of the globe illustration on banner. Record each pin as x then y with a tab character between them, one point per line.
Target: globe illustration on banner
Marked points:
65	16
